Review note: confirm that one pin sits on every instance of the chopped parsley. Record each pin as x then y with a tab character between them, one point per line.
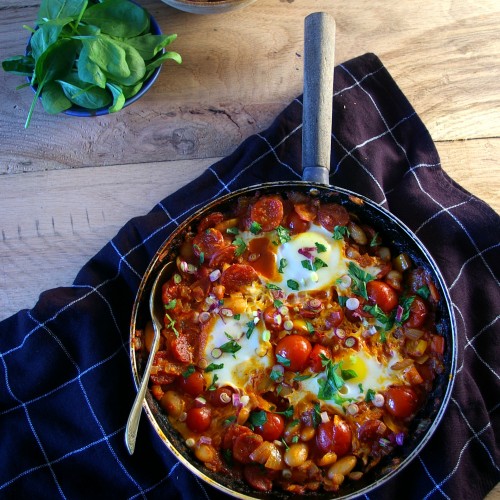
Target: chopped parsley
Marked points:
230	347
212	366
255	227
310	327
314	265
283	234
370	394
232	230
171	324
251	328
190	370
292	284
339	232
320	247
240	245
283	263
282	360
271	286
316	415
387	321
286	413
329	387
424	292
375	240
212	386
171	304
257	418
359	280
277	303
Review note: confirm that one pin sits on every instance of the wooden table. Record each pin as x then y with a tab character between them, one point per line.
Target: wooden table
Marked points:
68	184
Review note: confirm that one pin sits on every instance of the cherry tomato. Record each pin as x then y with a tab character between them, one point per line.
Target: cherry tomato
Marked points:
296	224
268	212
382	294
418	313
273	428
296	349
318	353
331	215
334	435
238	275
199	419
401	401
244	445
193	385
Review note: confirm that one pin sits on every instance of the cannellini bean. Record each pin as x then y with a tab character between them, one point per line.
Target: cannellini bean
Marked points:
296	454
307	433
327	459
204	453
342	466
172	403
355	476
357	234
336	479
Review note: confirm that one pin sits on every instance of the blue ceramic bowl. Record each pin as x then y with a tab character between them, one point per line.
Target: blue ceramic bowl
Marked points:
83	112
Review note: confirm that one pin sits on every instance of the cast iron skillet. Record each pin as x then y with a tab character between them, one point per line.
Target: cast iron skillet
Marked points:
317	120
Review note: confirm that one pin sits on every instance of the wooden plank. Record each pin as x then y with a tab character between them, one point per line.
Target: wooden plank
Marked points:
240	69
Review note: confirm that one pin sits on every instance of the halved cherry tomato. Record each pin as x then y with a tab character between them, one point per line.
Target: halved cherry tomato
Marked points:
221	396
334	435
382	294
318	353
193	385
296	349
331	215
268	212
273	427
199	419
401	401
418	313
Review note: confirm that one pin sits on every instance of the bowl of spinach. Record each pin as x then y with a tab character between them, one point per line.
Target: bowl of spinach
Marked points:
89	58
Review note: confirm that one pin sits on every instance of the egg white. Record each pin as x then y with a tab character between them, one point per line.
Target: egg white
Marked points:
241	367
316	279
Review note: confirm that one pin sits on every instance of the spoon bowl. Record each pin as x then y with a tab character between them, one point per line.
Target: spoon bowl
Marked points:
156	310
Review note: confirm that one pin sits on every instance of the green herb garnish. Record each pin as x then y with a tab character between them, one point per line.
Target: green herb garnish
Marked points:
359	280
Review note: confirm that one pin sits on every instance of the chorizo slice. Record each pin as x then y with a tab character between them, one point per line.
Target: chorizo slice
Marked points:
268	212
236	276
331	215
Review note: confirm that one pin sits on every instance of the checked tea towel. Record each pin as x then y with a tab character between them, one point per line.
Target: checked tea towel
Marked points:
65	378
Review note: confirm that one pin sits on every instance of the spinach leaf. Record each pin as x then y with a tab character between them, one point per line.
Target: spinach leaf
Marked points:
149	45
47	34
51	65
84	95
55	9
160	60
118	18
19	65
53	99
118	97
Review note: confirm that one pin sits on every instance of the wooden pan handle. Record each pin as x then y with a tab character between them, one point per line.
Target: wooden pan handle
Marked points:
319	61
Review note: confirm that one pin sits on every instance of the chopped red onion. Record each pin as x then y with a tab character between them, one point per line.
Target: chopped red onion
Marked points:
400	438
199	402
236	399
205	440
399	313
306	252
214	275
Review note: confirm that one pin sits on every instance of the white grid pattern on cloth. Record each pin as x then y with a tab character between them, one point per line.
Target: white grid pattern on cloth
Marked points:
123	260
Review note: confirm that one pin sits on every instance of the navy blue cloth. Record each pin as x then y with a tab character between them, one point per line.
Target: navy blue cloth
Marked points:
66	384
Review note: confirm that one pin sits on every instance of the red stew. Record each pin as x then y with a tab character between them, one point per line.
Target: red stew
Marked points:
296	348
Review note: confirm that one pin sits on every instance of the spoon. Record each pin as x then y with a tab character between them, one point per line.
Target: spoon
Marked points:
156	309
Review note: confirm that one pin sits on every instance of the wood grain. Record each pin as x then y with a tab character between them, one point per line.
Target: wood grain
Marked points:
241	68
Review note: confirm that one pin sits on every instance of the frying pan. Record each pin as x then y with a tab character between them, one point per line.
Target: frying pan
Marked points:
317	120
